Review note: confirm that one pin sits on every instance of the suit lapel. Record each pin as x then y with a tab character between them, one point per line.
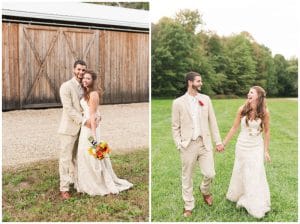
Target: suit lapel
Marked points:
187	105
199	97
75	87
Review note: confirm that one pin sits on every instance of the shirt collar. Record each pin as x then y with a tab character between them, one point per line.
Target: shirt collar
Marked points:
193	97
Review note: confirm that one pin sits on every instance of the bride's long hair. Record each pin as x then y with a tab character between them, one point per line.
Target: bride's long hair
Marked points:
261	107
92	87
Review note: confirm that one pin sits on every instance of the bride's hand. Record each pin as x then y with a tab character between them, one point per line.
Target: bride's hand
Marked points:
88	124
98	119
267	157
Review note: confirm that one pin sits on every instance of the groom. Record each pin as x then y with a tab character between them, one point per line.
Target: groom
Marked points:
193	123
70	93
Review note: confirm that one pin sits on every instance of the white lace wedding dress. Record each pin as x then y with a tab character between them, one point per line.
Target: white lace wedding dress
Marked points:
248	185
95	177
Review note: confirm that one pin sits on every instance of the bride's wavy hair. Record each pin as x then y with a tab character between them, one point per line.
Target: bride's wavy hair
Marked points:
91	87
261	106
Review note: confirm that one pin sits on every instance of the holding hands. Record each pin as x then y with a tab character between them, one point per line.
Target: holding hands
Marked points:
220	148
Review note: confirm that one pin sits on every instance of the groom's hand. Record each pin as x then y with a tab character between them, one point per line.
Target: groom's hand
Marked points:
220	148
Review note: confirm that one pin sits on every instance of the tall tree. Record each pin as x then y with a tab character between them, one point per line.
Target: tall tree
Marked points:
189	19
240	68
174	52
280	72
291	88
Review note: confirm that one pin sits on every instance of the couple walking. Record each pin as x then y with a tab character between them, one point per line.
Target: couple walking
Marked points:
80	120
193	123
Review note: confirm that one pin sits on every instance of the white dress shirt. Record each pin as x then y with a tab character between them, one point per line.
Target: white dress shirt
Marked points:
195	112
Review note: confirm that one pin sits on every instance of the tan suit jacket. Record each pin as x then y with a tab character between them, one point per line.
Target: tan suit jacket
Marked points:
71	119
182	123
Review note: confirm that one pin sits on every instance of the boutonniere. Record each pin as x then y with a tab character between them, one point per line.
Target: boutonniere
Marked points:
200	103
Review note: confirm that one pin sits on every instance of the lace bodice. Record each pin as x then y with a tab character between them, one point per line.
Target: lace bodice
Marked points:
253	128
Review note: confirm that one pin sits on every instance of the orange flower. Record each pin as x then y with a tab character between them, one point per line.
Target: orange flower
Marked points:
99	154
99	150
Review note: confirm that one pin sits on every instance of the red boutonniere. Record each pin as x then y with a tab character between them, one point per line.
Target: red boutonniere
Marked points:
200	103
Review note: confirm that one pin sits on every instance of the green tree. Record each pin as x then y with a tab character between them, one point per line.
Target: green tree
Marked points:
240	65
265	70
280	65
291	88
228	65
189	19
214	50
174	52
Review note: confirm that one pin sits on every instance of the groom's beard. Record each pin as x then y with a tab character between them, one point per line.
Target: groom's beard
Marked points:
80	79
196	88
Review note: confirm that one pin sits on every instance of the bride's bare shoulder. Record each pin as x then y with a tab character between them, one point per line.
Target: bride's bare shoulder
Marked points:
94	94
240	109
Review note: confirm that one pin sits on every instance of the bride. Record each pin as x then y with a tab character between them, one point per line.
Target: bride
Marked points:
248	185
94	177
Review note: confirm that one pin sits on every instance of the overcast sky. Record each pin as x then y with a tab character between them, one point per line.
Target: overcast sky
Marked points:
272	23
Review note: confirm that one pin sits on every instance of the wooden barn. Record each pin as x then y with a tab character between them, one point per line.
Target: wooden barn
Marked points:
41	41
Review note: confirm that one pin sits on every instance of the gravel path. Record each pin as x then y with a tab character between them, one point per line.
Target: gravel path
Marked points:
31	135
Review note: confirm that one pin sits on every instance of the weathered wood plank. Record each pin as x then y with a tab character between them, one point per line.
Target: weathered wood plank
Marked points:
10	68
38	59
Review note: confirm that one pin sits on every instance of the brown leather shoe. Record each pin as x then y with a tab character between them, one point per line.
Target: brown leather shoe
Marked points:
187	213
208	199
65	195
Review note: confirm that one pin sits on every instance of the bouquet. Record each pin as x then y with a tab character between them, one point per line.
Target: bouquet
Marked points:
98	150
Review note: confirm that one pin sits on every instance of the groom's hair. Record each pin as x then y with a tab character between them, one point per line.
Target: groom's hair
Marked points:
190	76
79	62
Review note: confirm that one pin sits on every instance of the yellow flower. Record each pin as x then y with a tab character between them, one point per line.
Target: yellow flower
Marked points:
90	151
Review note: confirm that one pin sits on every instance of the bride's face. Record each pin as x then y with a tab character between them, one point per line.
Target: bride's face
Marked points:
87	80
252	96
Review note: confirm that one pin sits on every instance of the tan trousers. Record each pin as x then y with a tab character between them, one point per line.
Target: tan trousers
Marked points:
67	160
196	153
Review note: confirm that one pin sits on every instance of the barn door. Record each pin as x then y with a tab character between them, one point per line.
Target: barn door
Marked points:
47	55
76	44
38	55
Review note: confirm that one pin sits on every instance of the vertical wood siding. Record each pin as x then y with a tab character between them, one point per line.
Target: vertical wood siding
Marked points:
38	59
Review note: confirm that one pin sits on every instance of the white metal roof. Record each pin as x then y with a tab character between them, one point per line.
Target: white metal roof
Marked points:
79	12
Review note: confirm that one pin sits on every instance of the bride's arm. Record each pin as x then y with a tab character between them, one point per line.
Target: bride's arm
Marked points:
94	102
267	135
234	128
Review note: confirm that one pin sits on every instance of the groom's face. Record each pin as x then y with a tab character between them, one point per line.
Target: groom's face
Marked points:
79	71
197	83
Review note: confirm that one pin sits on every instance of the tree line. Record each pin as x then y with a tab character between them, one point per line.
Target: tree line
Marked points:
229	65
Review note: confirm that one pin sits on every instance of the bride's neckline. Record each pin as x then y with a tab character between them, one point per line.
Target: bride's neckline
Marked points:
83	100
251	120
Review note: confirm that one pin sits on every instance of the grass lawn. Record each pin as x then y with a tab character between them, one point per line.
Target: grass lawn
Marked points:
32	194
167	204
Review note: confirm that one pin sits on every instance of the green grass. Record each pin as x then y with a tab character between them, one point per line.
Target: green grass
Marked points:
32	194
167	204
